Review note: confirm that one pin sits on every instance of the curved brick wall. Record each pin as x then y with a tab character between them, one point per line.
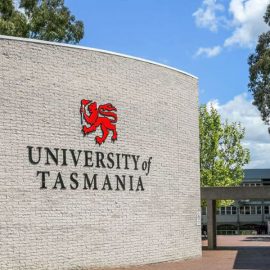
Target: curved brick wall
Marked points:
60	223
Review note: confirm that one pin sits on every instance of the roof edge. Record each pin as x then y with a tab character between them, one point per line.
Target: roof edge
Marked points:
96	50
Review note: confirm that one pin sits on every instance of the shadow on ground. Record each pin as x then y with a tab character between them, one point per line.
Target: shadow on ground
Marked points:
257	238
252	258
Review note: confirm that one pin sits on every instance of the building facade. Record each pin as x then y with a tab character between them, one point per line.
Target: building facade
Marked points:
245	216
99	159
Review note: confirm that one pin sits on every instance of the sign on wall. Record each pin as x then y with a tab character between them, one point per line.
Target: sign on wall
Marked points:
92	118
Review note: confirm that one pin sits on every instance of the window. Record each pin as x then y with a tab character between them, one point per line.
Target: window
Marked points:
222	211
266	210
252	210
259	210
204	211
228	210
266	182
234	210
247	210
242	210
218	211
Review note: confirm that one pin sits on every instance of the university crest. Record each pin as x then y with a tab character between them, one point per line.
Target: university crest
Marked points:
103	116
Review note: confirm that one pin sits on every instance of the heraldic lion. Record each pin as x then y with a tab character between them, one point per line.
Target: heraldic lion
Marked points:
99	116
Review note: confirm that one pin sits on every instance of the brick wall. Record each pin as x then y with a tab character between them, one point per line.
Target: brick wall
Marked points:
41	87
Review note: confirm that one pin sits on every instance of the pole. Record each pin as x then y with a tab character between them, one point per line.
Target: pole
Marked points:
211	224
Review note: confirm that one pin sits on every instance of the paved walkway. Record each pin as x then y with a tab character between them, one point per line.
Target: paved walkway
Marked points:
234	252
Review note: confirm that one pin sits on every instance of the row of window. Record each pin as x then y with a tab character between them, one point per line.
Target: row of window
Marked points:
251	184
243	210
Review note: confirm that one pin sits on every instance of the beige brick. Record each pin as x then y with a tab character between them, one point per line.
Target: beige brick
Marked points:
41	86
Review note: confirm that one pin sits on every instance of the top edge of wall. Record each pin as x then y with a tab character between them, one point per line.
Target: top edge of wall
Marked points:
96	50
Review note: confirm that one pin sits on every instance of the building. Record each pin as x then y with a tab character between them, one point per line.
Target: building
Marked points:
99	159
245	216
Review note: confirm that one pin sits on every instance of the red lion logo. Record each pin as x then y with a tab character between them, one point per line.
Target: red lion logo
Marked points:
94	120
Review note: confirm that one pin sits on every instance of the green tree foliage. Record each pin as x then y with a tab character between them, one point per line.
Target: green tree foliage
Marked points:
222	156
259	72
40	19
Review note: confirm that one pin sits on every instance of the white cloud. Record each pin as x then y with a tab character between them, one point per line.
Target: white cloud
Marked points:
244	20
257	139
209	52
248	21
206	16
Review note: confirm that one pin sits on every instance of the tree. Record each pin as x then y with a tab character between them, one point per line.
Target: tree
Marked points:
222	156
259	72
40	19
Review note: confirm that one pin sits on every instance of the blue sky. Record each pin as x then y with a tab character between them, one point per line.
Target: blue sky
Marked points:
210	39
166	31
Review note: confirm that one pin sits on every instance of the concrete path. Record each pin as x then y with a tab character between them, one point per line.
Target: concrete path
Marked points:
234	252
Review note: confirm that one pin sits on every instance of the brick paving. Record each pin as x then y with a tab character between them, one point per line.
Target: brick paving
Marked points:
234	252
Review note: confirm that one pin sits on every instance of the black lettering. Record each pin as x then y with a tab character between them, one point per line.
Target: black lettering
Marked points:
30	155
144	165
140	184
100	158
88	157
111	161
107	183
54	157
59	180
130	182
88	183
126	160
148	166
64	151
43	178
73	178
135	159
118	161
119	181
74	158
